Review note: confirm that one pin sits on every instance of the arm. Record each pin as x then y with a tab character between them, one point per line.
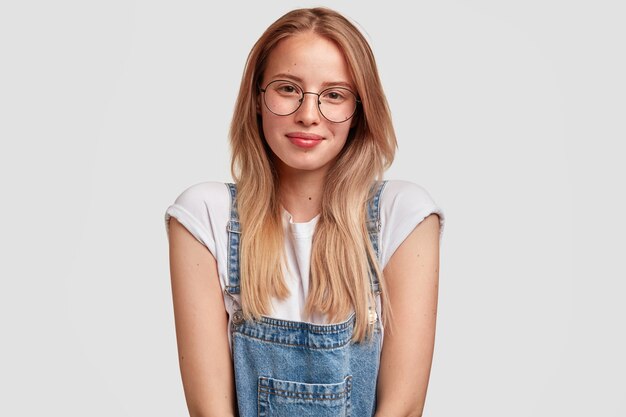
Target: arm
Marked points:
412	278
201	327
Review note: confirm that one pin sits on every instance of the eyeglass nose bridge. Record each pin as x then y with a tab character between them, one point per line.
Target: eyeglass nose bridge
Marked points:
319	102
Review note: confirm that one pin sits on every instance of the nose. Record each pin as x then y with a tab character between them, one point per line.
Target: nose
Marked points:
308	113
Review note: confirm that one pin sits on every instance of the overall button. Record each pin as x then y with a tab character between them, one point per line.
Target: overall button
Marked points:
372	316
238	317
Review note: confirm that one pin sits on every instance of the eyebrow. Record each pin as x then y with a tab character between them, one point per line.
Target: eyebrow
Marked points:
324	84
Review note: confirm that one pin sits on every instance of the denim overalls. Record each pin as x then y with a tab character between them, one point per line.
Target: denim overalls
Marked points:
297	369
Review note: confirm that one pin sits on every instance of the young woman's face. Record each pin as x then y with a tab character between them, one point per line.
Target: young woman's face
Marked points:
305	140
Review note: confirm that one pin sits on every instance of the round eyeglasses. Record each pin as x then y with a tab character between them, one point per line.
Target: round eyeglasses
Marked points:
283	97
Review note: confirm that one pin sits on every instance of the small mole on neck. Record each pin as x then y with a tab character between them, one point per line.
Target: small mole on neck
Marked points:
309	198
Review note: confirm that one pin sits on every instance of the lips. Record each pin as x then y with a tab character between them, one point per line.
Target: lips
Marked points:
304	140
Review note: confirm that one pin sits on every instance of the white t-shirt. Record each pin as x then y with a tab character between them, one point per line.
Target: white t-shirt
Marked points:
204	210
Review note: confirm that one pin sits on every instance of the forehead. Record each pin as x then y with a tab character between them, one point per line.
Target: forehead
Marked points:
307	56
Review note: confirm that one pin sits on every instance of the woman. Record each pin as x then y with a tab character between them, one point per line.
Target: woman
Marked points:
313	260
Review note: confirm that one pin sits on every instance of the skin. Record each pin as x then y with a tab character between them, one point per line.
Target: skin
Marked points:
201	327
412	273
314	61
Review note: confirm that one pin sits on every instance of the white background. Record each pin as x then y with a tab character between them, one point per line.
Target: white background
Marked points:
510	113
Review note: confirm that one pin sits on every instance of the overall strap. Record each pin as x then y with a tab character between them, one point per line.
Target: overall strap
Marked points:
373	228
234	236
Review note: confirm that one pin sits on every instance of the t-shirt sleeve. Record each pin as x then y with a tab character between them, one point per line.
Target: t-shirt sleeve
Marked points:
403	206
194	207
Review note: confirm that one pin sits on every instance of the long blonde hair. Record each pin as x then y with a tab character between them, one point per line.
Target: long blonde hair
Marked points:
341	250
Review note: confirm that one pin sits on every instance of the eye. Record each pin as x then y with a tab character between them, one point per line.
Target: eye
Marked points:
286	89
334	96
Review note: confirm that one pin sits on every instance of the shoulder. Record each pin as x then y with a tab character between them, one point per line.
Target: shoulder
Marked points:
405	190
401	197
201	208
403	206
205	193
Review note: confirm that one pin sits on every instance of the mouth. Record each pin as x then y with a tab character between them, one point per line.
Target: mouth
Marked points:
304	140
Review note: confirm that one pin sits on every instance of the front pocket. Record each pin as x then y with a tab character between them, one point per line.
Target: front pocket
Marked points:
278	398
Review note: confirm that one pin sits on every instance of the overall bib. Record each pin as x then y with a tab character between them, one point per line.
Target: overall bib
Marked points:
287	368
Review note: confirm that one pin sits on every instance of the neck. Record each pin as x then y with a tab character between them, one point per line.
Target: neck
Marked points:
300	192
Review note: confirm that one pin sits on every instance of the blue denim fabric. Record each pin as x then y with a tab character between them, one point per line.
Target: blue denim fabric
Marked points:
289	368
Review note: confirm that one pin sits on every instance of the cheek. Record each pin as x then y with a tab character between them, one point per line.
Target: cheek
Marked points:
266	123
341	132
271	128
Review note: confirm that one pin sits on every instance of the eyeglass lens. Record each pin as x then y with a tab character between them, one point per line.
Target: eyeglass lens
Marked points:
337	104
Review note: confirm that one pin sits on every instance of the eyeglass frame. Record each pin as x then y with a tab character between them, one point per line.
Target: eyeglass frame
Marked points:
301	100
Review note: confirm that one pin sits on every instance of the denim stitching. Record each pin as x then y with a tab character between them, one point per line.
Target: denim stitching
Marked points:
272	341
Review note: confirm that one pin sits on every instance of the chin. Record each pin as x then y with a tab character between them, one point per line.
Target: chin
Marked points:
303	165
